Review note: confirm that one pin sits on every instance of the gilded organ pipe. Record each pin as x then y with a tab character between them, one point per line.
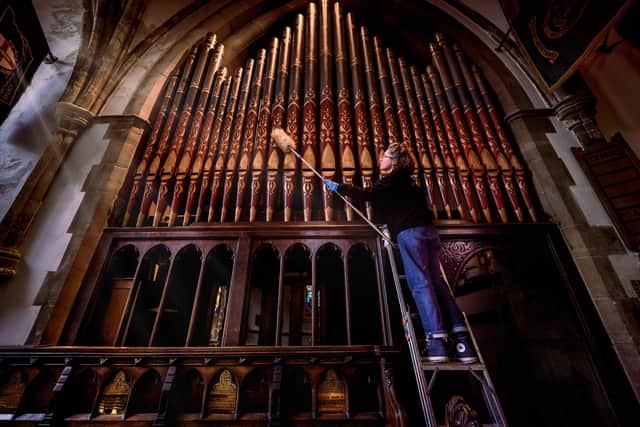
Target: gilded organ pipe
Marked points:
343	98
167	173
290	162
163	146
203	144
469	130
327	143
236	139
141	169
504	142
345	131
451	142
213	145
277	121
224	142
309	111
249	131
186	160
363	143
506	171
375	111
262	131
430	136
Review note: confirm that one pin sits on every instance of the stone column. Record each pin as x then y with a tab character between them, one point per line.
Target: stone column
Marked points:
102	187
71	121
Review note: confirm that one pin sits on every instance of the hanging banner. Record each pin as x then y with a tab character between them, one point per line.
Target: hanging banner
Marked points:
555	35
22	47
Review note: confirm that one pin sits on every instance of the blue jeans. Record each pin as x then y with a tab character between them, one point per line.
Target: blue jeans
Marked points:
420	250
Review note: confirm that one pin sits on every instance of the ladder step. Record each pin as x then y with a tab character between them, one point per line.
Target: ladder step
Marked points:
453	366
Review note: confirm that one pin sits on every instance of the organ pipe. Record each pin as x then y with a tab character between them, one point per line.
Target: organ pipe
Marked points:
432	143
363	142
178	141
345	132
213	145
249	131
163	145
224	145
469	130
262	131
185	162
236	139
290	162
343	97
277	121
309	111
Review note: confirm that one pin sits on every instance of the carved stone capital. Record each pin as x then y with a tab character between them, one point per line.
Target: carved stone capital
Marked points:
71	118
9	258
578	113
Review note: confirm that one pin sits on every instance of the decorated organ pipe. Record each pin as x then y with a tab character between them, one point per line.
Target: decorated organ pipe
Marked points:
363	144
342	97
178	141
290	162
186	160
420	161
345	132
375	111
430	136
249	132
141	169
327	143
262	131
309	111
506	170
213	146
453	171
203	142
388	111
452	144
504	142
236	138
224	142
277	121
477	164
163	145
469	130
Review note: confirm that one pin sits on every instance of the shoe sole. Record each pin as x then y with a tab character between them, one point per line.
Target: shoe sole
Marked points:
435	359
466	359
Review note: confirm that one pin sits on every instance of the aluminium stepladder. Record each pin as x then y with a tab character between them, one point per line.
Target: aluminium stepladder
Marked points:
421	368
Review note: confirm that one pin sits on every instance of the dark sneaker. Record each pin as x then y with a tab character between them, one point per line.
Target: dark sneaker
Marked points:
435	351
462	349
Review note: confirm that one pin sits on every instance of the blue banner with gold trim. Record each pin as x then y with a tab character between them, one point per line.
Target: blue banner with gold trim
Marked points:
22	47
556	35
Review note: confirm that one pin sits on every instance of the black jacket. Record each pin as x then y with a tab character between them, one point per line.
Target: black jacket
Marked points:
396	199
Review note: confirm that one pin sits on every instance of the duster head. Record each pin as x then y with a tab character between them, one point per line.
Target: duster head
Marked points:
282	140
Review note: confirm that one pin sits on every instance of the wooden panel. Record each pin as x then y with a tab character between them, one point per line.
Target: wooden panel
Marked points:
614	172
116	301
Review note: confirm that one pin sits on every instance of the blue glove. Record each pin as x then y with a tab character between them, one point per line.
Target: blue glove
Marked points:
331	185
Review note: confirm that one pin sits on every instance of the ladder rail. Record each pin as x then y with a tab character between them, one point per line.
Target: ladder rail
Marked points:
489	394
414	350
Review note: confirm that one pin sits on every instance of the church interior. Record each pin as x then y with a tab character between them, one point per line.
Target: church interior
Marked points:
164	262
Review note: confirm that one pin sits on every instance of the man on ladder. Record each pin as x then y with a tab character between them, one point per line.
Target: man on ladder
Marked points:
401	204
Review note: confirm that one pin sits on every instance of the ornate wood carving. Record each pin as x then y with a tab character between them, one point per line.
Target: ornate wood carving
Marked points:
459	414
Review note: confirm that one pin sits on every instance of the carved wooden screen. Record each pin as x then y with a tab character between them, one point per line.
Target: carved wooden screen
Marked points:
342	96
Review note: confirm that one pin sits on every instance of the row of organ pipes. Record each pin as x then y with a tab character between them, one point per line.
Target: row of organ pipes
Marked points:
342	97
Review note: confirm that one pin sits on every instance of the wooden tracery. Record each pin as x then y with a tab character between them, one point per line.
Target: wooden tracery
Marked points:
343	96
